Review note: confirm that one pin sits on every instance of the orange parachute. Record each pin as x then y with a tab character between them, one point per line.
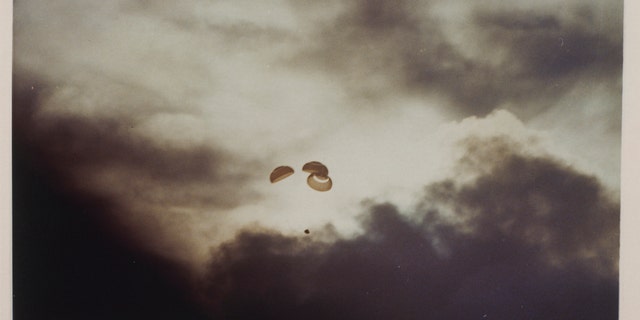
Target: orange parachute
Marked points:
319	183
318	178
280	173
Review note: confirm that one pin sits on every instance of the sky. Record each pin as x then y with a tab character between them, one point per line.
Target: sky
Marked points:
474	151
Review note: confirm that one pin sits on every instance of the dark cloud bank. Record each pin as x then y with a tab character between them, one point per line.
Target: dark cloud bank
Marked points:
538	55
530	239
70	262
80	147
71	258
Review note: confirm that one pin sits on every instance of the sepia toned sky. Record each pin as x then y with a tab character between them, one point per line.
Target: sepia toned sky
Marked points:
474	150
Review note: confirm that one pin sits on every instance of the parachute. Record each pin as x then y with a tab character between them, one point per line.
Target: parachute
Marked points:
318	178
315	167
319	183
280	173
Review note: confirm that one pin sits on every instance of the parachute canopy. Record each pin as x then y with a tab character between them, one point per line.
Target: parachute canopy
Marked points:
319	183
317	168
280	173
318	178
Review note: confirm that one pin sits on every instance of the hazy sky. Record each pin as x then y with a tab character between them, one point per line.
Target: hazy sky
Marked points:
474	150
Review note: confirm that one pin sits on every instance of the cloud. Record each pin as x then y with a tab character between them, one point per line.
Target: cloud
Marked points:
158	190
569	216
175	114
72	260
545	47
479	59
531	238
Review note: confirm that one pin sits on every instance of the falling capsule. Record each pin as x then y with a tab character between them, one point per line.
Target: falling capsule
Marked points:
319	183
317	168
280	173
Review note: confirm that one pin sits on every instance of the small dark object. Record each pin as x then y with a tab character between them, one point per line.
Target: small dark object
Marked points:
306	231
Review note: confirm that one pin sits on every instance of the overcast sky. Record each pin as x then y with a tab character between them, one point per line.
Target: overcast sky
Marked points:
474	149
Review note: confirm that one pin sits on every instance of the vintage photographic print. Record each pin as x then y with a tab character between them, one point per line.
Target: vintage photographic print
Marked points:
295	159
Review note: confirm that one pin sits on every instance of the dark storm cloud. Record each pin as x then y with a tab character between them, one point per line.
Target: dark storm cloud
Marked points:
540	55
568	216
72	262
529	239
370	35
546	48
80	147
